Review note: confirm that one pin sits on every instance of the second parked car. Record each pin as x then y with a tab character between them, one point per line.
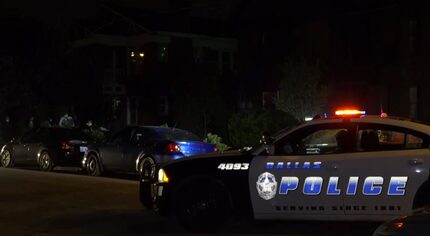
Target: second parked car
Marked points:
140	149
416	224
46	148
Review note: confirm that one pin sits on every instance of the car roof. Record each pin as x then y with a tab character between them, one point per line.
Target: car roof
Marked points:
394	121
390	120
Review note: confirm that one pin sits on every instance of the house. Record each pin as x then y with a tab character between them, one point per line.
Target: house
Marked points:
155	68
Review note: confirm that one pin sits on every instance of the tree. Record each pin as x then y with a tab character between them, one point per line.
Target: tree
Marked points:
301	92
246	128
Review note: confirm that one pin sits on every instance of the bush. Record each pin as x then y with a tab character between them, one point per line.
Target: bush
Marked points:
215	139
95	135
245	129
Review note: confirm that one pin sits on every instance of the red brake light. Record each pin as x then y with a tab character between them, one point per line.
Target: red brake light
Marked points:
398	225
66	145
173	148
350	112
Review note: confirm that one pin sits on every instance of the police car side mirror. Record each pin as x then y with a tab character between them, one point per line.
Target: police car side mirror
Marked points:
269	149
266	139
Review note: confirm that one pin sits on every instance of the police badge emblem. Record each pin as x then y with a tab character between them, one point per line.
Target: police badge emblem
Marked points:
267	186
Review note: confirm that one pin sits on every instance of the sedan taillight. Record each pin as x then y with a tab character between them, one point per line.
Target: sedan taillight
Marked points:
173	148
397	226
65	145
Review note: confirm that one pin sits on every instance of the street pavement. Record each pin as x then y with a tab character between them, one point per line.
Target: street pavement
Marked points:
58	203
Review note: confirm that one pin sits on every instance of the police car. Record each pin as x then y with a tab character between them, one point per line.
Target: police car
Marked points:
348	167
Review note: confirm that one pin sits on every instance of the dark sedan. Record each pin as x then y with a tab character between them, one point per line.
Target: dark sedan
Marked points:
46	148
416	224
139	149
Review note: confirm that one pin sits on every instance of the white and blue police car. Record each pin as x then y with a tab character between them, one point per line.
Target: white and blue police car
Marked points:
348	167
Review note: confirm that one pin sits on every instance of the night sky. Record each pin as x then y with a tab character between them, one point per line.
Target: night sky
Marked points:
48	10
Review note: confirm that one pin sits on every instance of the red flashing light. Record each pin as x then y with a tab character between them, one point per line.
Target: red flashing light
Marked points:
350	112
173	148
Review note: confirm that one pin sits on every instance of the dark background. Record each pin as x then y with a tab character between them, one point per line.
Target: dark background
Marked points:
205	61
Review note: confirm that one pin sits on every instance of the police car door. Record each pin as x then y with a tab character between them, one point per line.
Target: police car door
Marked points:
300	181
385	172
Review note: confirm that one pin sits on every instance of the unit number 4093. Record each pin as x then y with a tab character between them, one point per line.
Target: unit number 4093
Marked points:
233	166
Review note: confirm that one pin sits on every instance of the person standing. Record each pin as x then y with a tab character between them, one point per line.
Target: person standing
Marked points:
66	121
48	123
30	124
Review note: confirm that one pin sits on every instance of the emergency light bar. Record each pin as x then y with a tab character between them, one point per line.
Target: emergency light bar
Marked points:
350	112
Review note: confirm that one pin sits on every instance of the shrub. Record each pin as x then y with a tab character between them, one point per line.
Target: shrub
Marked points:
216	140
245	129
95	135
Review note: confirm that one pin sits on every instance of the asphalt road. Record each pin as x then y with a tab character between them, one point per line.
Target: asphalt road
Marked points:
39	203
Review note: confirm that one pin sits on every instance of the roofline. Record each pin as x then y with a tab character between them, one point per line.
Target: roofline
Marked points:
128	19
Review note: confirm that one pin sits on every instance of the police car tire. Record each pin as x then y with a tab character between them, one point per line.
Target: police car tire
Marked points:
45	162
93	166
201	205
145	195
5	163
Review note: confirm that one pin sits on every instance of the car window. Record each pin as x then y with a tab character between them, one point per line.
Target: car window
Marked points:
175	134
71	134
324	141
140	135
121	137
44	135
29	137
413	142
384	138
317	140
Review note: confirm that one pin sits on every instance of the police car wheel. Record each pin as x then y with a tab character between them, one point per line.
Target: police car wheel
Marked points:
45	162
6	159
145	193
93	166
201	205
